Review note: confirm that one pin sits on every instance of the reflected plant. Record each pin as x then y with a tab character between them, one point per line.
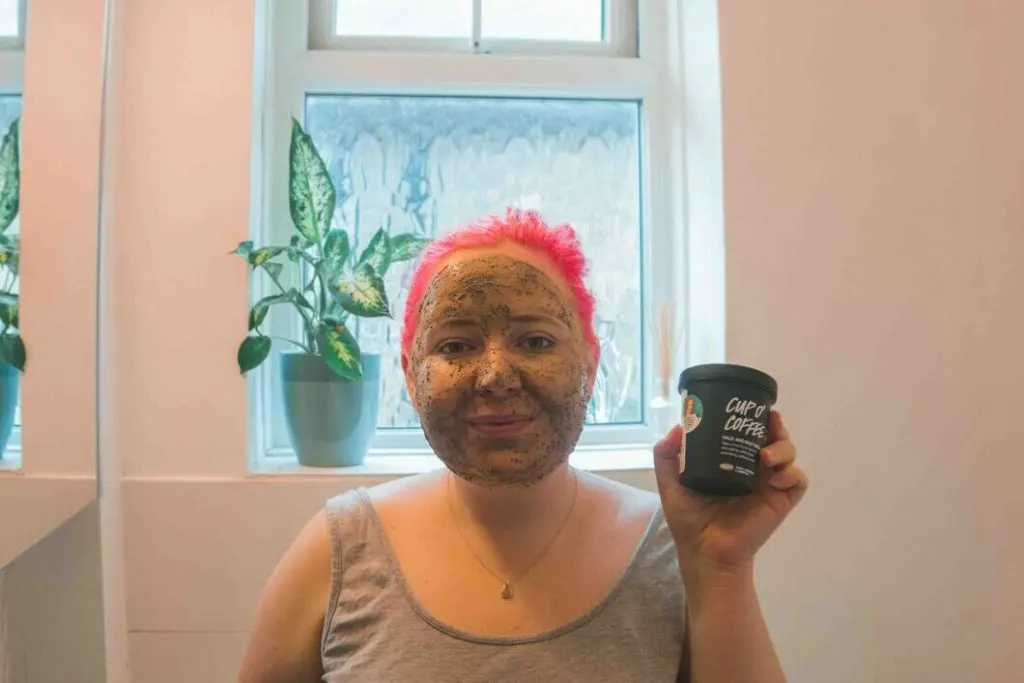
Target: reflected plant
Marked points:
12	348
337	284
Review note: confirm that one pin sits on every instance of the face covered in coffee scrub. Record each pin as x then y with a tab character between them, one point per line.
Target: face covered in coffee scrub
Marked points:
499	370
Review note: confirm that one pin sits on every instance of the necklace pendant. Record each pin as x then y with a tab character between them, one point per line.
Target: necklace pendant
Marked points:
506	591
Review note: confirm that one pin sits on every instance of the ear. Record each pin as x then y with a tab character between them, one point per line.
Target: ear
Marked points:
410	386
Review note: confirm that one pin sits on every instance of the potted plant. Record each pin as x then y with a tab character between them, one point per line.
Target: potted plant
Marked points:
331	390
12	348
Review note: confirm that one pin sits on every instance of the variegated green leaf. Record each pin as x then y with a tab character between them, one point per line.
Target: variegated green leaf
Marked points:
260	256
257	314
259	310
9	314
407	246
252	352
243	249
340	351
294	296
363	294
311	197
297	247
378	252
9	258
10	176
336	250
12	351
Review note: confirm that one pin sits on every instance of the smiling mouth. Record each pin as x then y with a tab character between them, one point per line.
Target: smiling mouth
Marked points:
500	425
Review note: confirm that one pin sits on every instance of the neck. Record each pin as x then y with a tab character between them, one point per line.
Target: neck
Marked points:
515	509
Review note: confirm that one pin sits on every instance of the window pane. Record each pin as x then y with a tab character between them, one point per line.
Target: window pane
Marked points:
437	18
9	18
431	164
581	20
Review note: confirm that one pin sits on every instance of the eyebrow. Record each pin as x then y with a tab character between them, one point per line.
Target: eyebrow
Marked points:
526	318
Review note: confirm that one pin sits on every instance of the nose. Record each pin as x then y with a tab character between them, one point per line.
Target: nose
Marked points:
497	371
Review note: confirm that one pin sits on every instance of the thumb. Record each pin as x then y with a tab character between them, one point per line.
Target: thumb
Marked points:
666	463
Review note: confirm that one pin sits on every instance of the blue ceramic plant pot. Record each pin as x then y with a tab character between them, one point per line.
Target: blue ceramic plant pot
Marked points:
330	420
8	403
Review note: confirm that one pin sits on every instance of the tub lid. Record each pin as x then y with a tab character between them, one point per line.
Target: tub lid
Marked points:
729	372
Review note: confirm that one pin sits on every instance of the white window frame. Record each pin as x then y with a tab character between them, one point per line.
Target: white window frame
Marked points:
288	66
12	82
620	36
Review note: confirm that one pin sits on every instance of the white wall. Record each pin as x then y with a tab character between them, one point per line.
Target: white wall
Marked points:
874	168
872	174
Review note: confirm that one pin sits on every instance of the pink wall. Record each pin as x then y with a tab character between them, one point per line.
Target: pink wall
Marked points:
874	181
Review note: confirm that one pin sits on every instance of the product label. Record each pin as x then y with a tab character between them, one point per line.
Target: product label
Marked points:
745	418
693	412
742	435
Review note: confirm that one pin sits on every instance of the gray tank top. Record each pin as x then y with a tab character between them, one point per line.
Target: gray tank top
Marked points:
376	631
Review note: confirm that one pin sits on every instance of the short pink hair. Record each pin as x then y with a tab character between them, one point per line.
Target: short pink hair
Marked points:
526	228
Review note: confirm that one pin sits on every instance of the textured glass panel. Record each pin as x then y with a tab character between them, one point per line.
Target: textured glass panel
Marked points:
433	19
8	18
577	20
431	164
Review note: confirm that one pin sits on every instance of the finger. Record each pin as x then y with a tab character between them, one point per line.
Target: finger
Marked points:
778	454
789	478
776	428
666	462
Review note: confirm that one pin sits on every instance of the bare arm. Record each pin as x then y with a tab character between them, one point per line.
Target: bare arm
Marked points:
727	638
284	646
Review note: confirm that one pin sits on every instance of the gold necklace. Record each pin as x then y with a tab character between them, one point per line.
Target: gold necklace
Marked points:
507	592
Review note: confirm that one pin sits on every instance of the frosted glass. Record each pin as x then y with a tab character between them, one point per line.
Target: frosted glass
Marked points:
431	164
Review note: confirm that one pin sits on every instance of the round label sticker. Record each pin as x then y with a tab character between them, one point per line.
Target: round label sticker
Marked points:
693	412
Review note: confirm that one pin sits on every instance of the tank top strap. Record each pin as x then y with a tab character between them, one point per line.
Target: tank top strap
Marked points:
355	545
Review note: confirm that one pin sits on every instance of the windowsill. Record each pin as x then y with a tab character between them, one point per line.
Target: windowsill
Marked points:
628	458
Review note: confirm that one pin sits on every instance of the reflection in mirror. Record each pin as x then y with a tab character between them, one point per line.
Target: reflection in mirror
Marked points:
51	94
12	350
51	602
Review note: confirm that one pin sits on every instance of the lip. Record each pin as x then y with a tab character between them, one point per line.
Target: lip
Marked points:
500	425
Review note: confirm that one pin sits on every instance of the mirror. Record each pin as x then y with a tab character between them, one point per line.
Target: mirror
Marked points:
51	94
51	602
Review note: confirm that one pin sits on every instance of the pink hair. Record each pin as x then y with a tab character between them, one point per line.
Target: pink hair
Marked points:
526	228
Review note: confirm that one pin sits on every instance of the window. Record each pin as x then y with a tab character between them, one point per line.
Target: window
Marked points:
431	118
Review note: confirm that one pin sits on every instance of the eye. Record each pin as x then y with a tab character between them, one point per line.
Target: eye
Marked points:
453	347
537	343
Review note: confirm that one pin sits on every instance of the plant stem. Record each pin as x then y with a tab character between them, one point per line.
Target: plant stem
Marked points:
302	312
290	341
283	339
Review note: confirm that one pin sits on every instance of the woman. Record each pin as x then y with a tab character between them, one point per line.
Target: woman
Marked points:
508	564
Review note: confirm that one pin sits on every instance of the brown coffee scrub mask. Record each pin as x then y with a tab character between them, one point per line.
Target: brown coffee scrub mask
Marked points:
499	370
725	417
